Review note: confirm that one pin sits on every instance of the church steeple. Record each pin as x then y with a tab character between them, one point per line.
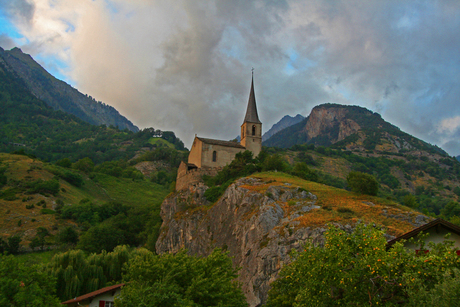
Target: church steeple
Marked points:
251	129
251	112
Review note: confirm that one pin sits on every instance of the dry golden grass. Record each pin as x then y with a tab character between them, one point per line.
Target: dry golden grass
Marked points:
341	206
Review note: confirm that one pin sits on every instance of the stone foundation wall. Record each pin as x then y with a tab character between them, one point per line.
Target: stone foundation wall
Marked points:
194	176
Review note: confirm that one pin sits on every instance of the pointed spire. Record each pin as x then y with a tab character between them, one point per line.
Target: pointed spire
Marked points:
251	112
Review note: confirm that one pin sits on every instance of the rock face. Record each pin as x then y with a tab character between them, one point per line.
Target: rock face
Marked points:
259	229
59	95
331	122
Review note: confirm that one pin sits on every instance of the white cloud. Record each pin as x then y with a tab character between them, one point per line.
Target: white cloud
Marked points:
449	124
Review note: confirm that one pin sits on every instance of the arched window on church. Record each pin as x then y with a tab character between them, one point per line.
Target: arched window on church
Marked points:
214	156
253	129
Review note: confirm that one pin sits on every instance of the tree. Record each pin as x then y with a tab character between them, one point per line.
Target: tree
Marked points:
85	165
275	163
356	269
13	245
101	237
362	183
303	171
68	235
410	201
22	285
181	280
64	163
77	274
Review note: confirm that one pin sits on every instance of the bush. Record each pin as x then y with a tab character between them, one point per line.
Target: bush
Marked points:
301	170
44	187
85	165
362	183
47	211
275	163
68	235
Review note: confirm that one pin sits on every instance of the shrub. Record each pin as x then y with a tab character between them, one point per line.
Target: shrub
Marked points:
362	183
44	186
47	211
301	170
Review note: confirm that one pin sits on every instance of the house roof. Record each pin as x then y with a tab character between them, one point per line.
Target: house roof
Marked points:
437	222
251	112
93	294
221	143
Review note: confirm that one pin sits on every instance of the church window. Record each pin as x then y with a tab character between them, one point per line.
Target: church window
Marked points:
254	130
214	156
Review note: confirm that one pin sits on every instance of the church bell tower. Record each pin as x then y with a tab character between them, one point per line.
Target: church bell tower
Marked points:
251	129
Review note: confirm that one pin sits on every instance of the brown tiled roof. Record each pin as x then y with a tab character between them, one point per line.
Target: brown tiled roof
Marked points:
251	112
93	294
416	231
221	143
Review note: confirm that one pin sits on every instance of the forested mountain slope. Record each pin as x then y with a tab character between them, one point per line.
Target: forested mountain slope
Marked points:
28	123
58	94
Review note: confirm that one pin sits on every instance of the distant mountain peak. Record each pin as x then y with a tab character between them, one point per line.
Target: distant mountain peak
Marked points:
285	122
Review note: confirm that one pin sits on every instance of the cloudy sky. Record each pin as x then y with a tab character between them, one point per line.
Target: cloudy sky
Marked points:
185	65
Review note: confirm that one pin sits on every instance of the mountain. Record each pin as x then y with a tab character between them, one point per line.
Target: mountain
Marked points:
29	124
285	122
349	127
58	94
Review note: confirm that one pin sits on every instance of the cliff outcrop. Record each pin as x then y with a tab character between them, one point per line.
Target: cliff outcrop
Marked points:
259	220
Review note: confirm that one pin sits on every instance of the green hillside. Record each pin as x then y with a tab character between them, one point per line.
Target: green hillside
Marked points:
36	194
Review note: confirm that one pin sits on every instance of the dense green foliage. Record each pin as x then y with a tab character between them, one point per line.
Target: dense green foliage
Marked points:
181	280
24	285
362	183
88	212
77	274
356	269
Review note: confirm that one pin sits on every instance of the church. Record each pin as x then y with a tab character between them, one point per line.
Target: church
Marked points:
208	156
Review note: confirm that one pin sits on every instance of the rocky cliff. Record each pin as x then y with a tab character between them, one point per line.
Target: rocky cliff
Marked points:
349	127
260	219
58	94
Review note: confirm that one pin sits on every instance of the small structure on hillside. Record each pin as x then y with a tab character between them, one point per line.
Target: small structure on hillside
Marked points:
104	297
436	230
208	156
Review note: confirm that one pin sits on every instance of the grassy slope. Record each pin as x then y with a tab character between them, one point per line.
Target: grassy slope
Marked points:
340	167
341	206
159	142
101	189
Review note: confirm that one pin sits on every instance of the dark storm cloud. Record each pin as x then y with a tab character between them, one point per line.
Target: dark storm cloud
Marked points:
18	9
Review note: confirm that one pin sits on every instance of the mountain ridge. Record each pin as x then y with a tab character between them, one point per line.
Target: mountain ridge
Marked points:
283	123
350	127
60	95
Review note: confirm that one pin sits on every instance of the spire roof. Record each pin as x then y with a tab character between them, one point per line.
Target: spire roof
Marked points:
251	112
